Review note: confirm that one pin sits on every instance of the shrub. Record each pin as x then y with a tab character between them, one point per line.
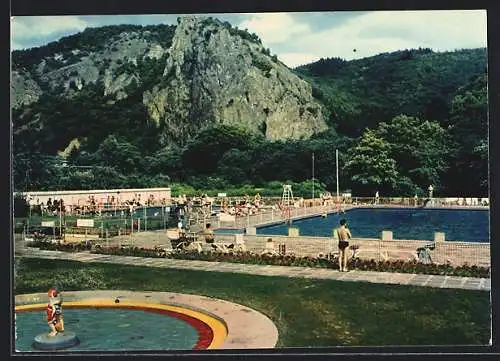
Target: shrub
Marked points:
57	246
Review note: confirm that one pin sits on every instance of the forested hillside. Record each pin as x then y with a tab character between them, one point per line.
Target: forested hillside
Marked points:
120	106
419	117
417	82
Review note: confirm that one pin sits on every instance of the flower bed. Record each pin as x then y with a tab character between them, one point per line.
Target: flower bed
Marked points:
270	259
291	260
57	246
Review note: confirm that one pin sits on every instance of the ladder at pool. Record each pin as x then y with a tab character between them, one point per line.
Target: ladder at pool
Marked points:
287	198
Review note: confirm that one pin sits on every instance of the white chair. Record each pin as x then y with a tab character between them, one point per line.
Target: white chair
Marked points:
239	243
270	249
195	246
220	247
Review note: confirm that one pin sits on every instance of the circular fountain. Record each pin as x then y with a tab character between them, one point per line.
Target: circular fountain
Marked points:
141	321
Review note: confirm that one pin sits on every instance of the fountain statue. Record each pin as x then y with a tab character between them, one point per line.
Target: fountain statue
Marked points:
57	338
54	313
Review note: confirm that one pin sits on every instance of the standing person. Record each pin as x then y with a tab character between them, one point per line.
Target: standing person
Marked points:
343	235
376	197
180	227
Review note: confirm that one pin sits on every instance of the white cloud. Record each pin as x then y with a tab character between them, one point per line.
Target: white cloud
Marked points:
274	28
291	37
24	27
296	59
383	31
16	46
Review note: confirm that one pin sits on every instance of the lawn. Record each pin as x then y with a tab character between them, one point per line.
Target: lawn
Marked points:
307	312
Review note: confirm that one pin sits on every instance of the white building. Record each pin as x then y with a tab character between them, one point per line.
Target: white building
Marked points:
101	197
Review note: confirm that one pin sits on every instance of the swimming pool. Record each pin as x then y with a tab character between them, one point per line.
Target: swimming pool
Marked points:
119	328
405	223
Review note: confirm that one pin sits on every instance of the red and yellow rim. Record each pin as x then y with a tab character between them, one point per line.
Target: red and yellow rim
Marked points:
211	331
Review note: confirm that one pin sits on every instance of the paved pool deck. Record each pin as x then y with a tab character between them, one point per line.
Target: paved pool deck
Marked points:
436	281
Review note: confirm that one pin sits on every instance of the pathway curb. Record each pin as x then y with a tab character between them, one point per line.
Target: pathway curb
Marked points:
436	281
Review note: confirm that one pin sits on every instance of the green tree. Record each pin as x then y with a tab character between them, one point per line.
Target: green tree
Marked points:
167	160
203	153
480	165
21	207
421	149
119	154
370	166
469	129
235	165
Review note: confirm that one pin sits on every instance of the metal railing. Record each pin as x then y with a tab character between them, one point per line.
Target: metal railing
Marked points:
420	201
271	215
446	252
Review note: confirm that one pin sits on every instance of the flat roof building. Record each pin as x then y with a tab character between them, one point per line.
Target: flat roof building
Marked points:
101	197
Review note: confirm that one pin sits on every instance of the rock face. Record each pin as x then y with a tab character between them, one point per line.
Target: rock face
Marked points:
67	73
205	72
24	90
212	75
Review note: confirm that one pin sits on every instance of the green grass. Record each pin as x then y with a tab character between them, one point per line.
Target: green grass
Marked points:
307	312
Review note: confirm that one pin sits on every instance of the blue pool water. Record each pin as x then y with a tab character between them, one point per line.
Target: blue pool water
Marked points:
229	231
405	223
101	329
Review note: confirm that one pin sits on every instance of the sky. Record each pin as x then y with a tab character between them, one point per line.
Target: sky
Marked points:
299	38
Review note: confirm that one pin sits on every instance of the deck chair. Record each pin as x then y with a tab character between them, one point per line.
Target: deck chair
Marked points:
424	254
195	246
221	247
270	249
178	243
239	243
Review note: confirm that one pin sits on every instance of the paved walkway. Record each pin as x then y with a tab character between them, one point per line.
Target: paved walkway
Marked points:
483	284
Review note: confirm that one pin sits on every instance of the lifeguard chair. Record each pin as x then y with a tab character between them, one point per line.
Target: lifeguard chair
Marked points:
286	203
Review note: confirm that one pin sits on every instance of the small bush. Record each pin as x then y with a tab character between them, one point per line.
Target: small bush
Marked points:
64	247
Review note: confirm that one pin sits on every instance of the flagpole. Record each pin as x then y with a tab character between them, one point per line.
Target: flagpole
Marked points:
313	176
337	166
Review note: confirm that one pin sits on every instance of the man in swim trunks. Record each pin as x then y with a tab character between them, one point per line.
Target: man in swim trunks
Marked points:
343	235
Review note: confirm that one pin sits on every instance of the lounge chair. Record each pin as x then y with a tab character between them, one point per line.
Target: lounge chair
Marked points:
270	249
240	245
177	241
424	254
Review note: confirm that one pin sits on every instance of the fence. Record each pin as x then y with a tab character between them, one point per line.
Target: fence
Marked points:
103	227
455	253
318	206
419	202
271	215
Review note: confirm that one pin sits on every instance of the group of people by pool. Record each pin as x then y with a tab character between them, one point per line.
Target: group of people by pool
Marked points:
343	235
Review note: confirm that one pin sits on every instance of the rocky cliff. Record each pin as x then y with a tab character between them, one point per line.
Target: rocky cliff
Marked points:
208	72
24	90
212	75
